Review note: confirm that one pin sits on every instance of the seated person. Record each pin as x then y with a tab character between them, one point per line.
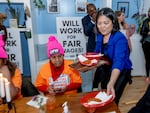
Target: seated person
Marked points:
10	71
56	76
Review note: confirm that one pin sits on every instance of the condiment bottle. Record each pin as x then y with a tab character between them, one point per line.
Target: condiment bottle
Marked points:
65	108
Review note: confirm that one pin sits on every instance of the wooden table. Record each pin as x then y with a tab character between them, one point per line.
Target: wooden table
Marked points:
73	105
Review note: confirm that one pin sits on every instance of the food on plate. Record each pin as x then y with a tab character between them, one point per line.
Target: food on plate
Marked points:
94	99
87	62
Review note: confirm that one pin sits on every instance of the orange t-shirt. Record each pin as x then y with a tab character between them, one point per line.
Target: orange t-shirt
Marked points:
45	73
17	81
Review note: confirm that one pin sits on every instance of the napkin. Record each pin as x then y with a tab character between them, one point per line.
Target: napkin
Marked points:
37	101
82	58
94	61
102	96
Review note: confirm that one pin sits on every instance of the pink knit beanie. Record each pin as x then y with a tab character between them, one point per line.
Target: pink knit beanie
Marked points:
3	53
53	47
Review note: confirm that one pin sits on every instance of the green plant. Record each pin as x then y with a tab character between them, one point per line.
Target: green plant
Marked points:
15	12
39	4
139	18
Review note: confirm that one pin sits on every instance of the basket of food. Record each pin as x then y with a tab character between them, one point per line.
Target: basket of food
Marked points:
94	100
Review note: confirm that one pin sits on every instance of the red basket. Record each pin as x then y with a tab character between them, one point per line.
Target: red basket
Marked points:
93	55
86	97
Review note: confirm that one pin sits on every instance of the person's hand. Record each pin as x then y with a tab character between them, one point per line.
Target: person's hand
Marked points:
149	33
110	90
60	90
51	90
147	80
102	62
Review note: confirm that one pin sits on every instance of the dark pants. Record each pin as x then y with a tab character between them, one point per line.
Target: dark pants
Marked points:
146	50
143	106
28	89
91	43
102	75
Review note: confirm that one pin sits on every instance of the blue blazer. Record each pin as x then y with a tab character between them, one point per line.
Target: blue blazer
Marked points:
89	32
117	50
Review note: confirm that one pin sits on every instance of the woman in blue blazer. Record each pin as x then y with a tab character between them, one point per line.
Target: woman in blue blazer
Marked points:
113	44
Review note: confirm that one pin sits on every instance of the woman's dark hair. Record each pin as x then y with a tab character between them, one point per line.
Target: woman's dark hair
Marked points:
109	13
118	13
11	66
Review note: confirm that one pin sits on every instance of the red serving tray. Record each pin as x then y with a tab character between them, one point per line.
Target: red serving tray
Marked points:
86	97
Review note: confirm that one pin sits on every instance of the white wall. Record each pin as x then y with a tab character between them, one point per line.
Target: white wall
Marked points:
106	3
144	6
137	56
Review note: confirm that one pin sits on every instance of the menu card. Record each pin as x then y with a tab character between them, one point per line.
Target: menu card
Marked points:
37	101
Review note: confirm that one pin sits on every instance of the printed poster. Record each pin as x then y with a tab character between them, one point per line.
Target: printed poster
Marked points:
70	34
13	47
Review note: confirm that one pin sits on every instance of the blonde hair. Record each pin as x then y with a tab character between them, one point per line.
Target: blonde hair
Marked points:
2	18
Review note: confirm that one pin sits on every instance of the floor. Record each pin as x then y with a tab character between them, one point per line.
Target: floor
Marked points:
132	94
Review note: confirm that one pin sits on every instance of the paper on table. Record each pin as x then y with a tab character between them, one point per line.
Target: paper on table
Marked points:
37	101
102	96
